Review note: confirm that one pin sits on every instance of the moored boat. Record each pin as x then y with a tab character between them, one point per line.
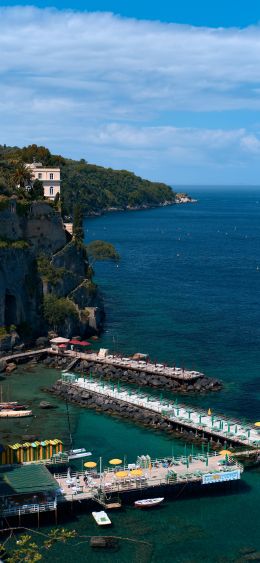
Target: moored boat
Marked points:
148	502
77	454
12	413
101	518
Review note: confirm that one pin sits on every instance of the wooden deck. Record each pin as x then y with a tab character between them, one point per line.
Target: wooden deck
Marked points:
159	474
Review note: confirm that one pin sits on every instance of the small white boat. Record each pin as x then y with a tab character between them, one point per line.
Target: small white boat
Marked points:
77	454
148	502
12	413
101	518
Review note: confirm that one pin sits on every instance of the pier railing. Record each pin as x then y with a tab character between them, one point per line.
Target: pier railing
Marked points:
229	430
28	508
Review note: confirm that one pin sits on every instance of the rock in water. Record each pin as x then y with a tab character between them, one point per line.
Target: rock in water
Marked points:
46	405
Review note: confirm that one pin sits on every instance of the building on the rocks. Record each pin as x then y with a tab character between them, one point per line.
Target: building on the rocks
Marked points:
49	176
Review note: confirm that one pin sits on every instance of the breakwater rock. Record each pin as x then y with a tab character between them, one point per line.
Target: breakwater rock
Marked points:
118	408
142	378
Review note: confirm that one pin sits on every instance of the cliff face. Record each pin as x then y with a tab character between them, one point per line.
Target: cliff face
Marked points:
26	237
20	288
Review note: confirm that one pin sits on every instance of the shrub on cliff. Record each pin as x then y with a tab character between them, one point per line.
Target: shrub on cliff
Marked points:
57	310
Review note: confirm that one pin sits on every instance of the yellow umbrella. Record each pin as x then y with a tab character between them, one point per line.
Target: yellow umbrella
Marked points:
136	472
209	412
257	423
90	464
121	474
225	452
115	461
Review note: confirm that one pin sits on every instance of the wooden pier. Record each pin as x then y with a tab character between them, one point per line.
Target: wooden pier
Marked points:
201	469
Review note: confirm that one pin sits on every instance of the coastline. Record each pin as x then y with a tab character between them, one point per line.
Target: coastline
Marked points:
143	207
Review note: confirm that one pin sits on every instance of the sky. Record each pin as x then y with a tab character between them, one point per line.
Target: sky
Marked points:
170	91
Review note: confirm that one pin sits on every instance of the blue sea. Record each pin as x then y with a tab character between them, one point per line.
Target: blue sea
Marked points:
186	291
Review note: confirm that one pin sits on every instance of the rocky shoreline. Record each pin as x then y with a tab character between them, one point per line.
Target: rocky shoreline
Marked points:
115	407
179	201
141	378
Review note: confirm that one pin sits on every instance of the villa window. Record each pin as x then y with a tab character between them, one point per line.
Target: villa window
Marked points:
51	190
51	176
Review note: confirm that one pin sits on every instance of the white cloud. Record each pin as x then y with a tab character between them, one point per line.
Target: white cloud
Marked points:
102	84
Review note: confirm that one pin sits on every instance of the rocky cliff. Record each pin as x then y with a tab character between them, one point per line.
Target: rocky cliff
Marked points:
38	259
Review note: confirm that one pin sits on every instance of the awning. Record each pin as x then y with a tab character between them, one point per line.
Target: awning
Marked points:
80	342
59	340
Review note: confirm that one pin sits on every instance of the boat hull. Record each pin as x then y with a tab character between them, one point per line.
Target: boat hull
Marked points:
148	503
14	414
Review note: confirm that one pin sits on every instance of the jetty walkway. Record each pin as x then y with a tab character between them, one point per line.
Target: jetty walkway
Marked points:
138	365
115	361
214	425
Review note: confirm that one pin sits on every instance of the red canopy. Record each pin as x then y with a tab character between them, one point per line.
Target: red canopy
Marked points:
62	345
80	342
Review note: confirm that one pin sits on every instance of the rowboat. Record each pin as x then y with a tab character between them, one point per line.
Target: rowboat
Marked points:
101	518
148	502
5	413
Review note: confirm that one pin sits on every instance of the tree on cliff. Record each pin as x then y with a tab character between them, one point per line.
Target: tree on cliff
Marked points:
37	190
56	310
101	250
78	232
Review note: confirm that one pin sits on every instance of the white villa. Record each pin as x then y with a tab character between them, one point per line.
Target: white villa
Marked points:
50	178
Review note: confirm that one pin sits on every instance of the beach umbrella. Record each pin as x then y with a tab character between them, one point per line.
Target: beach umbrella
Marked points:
115	461
225	452
121	474
90	464
136	472
257	424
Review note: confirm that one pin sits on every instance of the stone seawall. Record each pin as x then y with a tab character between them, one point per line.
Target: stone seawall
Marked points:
115	407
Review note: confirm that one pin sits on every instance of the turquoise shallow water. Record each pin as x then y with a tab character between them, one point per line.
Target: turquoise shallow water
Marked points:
187	290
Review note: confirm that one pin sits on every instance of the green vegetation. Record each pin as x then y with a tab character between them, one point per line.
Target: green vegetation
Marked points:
95	188
78	232
47	271
26	547
56	310
102	250
17	244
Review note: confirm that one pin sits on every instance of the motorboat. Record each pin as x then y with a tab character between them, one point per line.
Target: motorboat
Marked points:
148	502
78	453
101	518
